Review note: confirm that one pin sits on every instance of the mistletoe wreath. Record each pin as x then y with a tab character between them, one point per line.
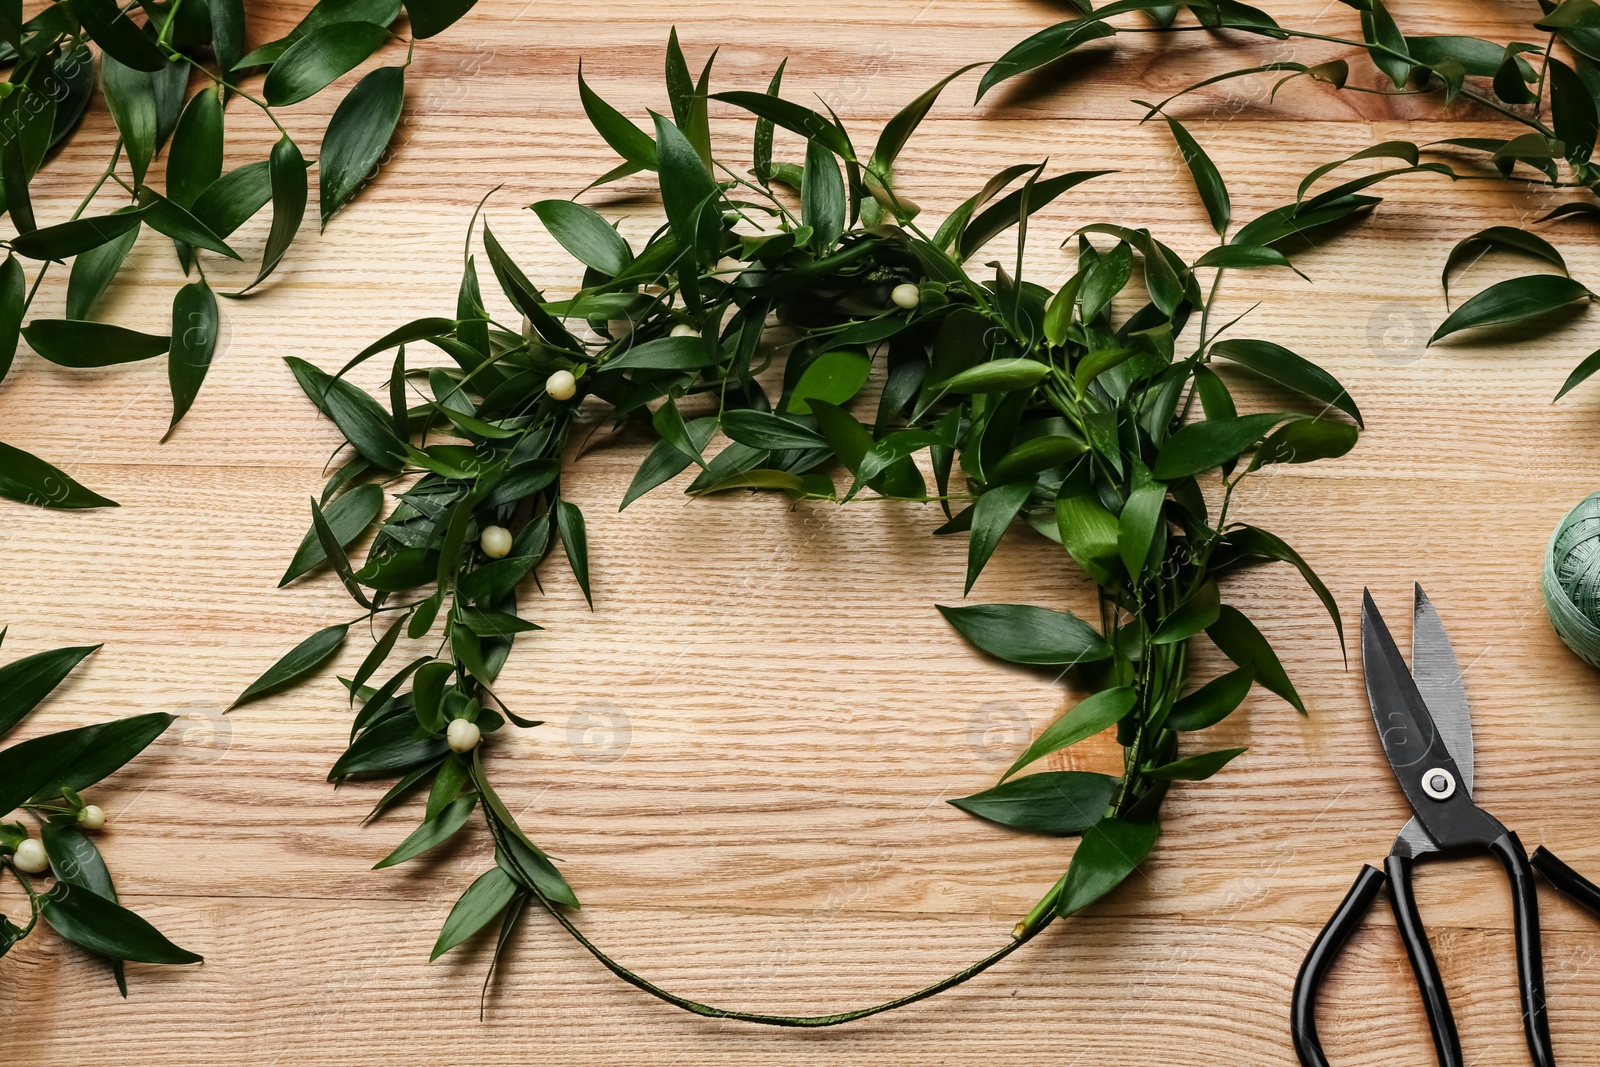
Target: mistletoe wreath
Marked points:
1083	412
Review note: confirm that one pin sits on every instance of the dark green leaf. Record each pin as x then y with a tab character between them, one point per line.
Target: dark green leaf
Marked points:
484	899
194	342
77	343
74	759
1582	372
1278	364
80	235
575	543
688	194
996	376
764	430
194	159
626	139
359	417
1111	850
1060	803
131	98
1241	642
13	298
288	171
991	517
1203	445
319	58
1207	179
93	270
1042	48
27	681
1196	768
834	377
1572	111
822	200
664	353
1506	238
75	860
1092	715
429	18
1007	211
1212	702
27	478
358	133
1514	300
432	833
108	928
234	198
898	130
1189	618
348	515
1305	440
592	240
124	40
297	663
794	118
1022	633
180	225
666	460
1243	257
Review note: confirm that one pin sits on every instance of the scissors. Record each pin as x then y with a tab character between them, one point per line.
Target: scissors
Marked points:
1425	727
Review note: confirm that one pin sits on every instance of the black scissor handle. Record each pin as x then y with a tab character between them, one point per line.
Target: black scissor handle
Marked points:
1430	984
1576	887
1530	952
1345	921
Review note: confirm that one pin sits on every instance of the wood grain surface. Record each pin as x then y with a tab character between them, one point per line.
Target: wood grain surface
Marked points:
752	737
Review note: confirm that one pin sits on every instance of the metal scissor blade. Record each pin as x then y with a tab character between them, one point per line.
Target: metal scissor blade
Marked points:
1410	738
1438	677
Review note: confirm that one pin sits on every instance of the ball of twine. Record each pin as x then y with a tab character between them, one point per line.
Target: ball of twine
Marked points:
1571	580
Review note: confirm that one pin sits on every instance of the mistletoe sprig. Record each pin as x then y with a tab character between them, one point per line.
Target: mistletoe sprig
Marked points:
1546	92
1070	409
145	69
44	777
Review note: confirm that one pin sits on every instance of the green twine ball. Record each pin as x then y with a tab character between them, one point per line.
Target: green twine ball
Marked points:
1572	580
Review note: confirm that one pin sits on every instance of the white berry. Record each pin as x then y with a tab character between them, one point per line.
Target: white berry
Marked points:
683	329
561	385
906	295
462	736
495	542
92	817
31	858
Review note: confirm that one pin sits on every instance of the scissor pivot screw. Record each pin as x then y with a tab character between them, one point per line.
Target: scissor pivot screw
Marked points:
1439	784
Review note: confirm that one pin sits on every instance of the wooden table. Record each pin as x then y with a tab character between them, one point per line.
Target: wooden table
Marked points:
752	738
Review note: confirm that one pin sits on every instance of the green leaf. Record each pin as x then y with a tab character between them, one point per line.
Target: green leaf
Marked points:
822	200
1137	525
297	663
1572	111
1092	715
1189	618
357	135
1059	803
1043	48
663	353
287	168
13	298
429	18
1110	851
575	543
389	746
1379	28
1007	211
764	430
667	460
233	198
348	516
992	515
1241	642
795	118
996	376
1293	220
74	759
1212	702
124	40
194	158
1203	445
479	905
1207	179
431	834
77	343
1305	440
1243	257
319	58
72	238
75	860
626	139
833	377
27	681
1581	373
1034	455
1103	279
1278	364
1514	300
167	217
688	194
93	270
194	342
1022	633
1091	534
1254	541
130	96
103	926
899	129
1504	238
360	418
592	240
27	478
1196	768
